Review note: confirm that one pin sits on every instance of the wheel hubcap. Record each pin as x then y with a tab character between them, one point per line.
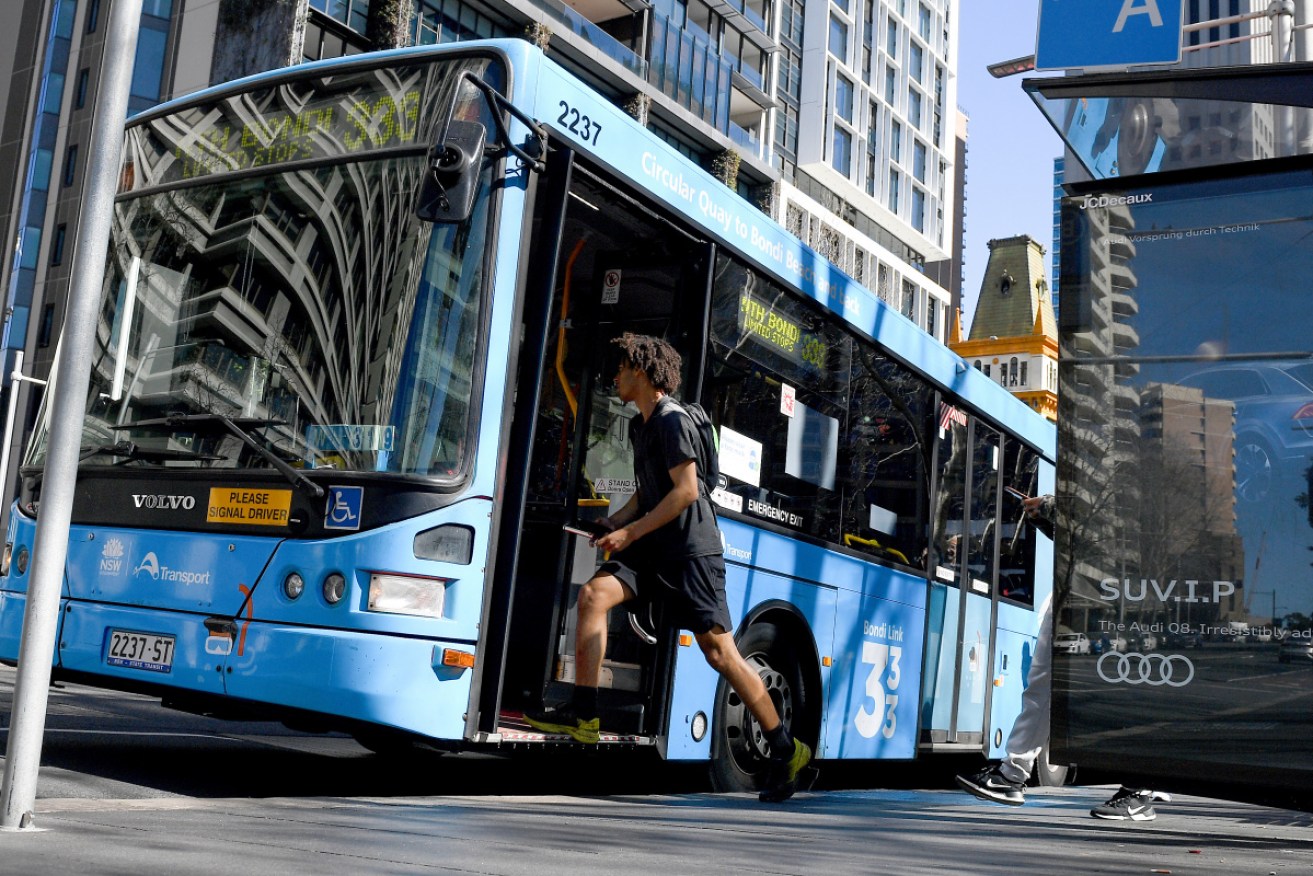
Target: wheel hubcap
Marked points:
747	740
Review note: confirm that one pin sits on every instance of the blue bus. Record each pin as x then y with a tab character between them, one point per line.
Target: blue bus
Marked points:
352	380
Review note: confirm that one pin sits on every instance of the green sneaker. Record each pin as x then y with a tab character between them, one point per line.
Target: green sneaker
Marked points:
563	720
782	780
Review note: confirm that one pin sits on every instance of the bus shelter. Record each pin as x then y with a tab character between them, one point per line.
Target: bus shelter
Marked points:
1185	428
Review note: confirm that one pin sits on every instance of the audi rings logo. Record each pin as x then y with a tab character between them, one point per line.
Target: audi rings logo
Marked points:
1155	670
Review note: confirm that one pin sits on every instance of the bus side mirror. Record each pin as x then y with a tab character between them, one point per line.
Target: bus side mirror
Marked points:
452	180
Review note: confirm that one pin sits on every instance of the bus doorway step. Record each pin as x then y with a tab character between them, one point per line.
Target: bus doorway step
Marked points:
512	730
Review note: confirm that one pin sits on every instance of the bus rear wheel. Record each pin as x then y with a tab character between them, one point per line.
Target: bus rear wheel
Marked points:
739	751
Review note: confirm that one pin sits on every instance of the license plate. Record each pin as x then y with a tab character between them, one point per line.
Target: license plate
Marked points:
140	651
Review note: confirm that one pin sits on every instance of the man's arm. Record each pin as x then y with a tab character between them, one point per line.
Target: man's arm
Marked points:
626	513
684	493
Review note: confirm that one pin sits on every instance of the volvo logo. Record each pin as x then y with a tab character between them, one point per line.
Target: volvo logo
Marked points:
1154	670
148	500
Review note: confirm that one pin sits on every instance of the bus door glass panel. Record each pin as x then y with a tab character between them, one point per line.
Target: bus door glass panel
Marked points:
946	562
778	391
1016	552
974	673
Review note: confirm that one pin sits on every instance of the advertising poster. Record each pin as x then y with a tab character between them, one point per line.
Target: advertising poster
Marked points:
1185	440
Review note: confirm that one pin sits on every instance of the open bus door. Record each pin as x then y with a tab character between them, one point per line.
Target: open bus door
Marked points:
603	264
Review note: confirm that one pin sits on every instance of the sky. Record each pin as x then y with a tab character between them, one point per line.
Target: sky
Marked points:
1010	145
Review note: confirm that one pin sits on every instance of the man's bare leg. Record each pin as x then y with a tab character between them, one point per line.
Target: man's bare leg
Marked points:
596	599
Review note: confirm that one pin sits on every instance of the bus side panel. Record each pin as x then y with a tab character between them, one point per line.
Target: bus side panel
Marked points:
1013	653
975	668
13	587
876	680
941	665
695	681
392	680
12	606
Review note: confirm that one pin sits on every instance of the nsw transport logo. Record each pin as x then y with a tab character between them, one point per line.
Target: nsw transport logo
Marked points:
111	558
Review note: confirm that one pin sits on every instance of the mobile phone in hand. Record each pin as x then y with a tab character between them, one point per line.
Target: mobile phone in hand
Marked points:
587	528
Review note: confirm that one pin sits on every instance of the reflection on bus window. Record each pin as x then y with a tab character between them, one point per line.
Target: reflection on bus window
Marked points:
985	463
950	491
1016	559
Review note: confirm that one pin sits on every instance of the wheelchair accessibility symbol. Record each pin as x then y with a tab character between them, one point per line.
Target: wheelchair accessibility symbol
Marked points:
343	510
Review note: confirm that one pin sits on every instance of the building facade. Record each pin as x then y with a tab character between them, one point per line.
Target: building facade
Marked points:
1014	336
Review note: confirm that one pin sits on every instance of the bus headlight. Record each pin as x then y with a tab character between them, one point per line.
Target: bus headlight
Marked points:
9	553
334	588
403	594
21	560
293	586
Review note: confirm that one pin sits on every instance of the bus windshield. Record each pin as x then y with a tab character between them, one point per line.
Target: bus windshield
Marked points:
302	314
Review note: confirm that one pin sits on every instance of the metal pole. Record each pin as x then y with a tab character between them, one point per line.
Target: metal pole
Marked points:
41	619
1283	12
1303	51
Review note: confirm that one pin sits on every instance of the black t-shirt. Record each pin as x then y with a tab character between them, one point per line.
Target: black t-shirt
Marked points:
660	444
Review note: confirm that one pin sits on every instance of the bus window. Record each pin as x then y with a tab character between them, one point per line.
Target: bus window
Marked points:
779	392
985	461
885	494
1016	561
950	491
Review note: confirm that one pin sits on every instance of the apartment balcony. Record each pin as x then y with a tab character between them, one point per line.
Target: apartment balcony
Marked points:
691	72
747	139
1122	276
1125	338
580	18
1121	248
747	16
1124	306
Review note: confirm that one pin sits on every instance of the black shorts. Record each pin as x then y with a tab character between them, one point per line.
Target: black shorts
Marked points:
692	589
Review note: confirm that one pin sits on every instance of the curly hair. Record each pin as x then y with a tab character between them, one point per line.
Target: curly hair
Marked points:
654	357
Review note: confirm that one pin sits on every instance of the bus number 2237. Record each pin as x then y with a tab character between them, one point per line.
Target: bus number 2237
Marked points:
579	124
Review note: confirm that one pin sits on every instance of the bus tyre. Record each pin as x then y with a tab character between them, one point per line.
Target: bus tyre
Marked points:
739	752
1049	775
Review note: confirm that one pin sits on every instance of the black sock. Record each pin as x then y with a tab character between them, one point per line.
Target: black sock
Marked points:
585	702
781	746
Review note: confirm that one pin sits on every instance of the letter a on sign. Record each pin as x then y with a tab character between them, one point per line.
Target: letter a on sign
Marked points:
1081	34
1138	7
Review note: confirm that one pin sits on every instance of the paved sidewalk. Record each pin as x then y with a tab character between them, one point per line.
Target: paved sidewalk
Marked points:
843	832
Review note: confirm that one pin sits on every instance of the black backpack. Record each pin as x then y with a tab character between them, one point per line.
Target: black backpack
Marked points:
709	452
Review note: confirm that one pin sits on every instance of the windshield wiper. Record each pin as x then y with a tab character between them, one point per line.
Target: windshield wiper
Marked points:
131	452
136	453
239	427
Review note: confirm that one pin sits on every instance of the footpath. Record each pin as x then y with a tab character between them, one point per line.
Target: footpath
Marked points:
838	832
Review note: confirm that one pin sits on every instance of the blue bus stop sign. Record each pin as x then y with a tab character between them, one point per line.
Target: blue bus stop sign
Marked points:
1107	33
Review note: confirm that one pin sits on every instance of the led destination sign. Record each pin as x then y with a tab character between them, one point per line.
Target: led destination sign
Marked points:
778	332
342	127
